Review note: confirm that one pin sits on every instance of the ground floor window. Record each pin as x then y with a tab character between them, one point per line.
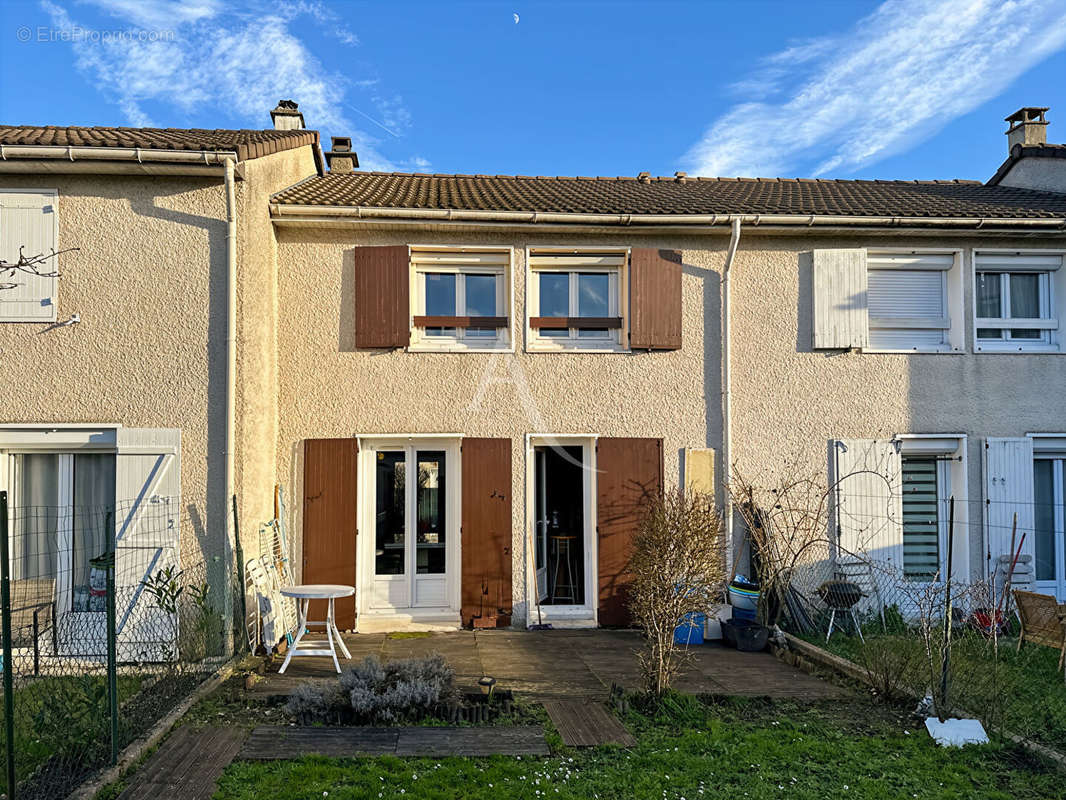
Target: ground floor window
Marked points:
1048	524
921	518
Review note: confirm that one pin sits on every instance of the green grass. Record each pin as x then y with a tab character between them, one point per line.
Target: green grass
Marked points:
844	749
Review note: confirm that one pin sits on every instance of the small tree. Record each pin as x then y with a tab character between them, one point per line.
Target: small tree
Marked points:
678	568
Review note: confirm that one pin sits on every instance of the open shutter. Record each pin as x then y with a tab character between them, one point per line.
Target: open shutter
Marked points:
330	521
28	220
382	296
628	472
147	539
486	531
839	293
1008	491
655	299
866	475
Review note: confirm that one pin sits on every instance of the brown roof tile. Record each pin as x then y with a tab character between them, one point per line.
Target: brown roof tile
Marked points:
245	143
625	195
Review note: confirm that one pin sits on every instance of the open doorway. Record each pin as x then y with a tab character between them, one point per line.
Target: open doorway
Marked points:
559	524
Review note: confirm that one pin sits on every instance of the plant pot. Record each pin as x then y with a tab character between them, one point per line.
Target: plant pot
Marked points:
745	635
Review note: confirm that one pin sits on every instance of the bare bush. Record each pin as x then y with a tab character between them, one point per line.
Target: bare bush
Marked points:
678	569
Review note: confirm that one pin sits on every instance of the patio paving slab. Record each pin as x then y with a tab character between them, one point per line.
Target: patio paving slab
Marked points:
272	743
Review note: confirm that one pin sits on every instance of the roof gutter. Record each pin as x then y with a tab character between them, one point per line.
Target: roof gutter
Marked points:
155	161
318	213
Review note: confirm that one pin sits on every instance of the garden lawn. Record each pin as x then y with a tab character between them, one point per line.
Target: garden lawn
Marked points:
756	749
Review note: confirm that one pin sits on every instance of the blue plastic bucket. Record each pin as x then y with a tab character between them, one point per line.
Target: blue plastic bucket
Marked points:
690	631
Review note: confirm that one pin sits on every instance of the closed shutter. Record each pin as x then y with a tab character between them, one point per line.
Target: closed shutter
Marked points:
1008	491
382	296
628	473
329	524
921	518
28	220
655	299
907	300
147	539
868	512
839	293
486	532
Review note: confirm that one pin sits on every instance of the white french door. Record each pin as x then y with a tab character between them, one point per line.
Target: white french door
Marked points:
541	522
1049	526
411	550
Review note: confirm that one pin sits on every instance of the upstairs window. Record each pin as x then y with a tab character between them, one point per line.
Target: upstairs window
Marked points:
576	300
460	299
907	301
1013	295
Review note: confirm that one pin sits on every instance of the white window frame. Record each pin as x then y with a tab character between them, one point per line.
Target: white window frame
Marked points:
616	340
50	265
951	287
1052	447
1051	290
503	341
952	479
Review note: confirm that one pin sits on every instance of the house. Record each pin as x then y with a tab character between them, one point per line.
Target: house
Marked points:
469	382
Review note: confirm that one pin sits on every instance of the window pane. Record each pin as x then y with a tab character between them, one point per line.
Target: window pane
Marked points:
94	504
989	333
921	529
554	300
440	300
1025	295
988	295
1025	333
480	302
430	558
35	536
1044	522
390	521
593	294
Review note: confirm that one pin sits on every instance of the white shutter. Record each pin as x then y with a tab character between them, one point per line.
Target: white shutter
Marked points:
866	476
908	300
1008	491
28	220
148	503
839	292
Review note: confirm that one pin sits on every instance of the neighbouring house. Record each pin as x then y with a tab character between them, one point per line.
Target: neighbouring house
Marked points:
469	382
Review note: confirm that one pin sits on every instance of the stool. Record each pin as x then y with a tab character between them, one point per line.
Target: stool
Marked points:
564	590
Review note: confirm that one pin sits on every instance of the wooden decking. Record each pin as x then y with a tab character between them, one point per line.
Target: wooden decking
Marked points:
562	664
186	765
586	723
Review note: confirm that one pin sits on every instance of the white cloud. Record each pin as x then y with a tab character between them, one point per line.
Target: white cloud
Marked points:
234	62
898	76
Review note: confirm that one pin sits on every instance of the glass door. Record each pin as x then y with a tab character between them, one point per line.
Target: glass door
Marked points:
1049	490
411	529
541	515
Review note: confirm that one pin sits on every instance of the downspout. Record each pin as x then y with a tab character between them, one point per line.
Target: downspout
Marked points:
727	399
231	377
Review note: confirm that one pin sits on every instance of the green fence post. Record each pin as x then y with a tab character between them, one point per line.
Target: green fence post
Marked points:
107	563
9	665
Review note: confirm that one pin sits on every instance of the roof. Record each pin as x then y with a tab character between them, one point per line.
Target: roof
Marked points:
943	199
1020	151
245	143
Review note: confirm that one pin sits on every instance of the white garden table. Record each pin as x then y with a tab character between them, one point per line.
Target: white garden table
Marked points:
303	595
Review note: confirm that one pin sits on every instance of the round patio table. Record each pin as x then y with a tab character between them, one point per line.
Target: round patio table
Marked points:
304	594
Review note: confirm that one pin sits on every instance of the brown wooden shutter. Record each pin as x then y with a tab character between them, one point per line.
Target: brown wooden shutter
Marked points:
486	533
382	296
330	520
628	472
655	299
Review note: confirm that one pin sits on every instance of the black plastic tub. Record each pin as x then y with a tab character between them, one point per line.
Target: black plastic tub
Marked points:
745	635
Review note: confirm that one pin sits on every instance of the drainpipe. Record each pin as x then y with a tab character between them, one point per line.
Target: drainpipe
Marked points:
727	410
231	376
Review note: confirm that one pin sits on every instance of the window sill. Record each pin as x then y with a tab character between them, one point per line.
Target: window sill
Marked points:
539	348
1008	349
937	351
426	347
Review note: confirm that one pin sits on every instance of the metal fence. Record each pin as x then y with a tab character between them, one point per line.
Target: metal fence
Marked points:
106	628
978	640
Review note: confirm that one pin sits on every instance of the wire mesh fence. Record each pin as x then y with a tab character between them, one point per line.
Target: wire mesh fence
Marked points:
108	626
928	601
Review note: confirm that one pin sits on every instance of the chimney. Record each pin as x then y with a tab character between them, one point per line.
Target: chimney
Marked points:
1027	126
341	158
287	116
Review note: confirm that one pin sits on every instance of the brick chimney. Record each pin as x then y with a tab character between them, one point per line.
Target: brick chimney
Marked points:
287	116
341	158
1027	126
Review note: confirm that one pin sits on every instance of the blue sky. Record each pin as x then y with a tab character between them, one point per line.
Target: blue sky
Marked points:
900	89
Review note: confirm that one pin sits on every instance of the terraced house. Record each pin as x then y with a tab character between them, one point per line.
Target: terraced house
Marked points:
470	381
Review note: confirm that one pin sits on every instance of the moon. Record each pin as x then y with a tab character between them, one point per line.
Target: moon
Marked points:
515	19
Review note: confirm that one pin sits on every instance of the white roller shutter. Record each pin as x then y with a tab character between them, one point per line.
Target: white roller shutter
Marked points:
839	293
1008	491
866	476
908	300
148	503
28	221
